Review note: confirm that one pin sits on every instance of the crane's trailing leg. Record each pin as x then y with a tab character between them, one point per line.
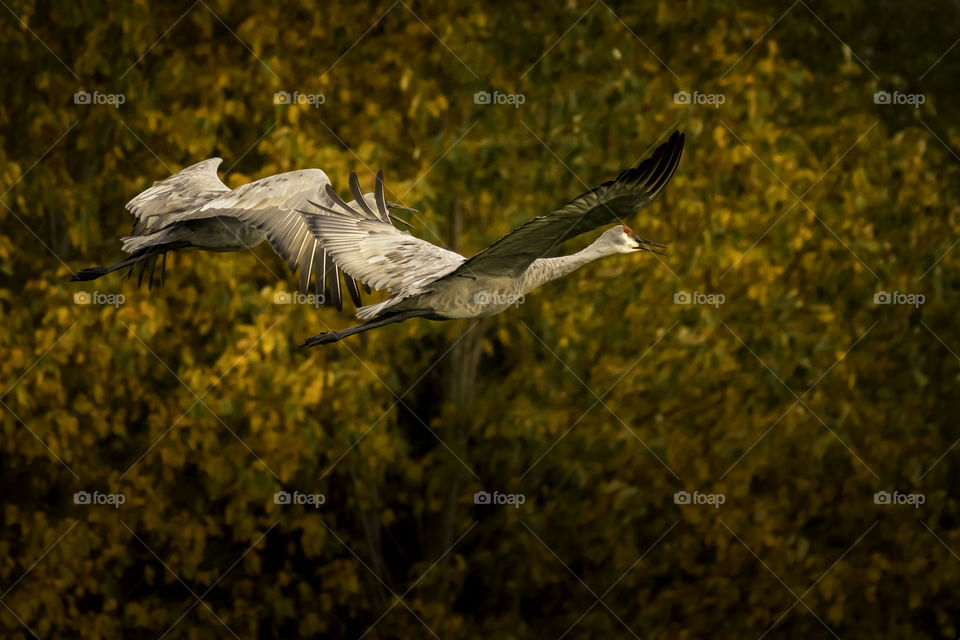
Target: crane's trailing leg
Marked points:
144	258
337	336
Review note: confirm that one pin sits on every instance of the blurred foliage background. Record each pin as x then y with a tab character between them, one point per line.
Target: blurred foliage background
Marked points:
797	199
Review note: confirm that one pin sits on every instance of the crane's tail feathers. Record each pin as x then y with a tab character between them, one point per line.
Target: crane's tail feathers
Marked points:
336	336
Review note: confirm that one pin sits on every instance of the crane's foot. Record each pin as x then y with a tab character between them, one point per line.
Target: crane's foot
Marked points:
321	338
91	273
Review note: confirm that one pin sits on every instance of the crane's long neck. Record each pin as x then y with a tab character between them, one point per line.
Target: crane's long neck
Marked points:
547	269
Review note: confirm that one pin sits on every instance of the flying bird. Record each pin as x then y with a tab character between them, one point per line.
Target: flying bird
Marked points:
424	280
193	209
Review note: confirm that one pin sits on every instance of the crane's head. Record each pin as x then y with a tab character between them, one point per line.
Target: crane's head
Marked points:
622	239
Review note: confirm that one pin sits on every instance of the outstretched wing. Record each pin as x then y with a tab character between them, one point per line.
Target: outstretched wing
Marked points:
182	192
271	205
372	250
610	202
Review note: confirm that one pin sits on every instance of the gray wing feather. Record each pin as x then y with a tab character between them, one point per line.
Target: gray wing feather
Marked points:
271	205
377	253
181	193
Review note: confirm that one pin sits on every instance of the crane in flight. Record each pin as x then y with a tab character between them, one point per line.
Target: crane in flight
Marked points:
424	280
193	209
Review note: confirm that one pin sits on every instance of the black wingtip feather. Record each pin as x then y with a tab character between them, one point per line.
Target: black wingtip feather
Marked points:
352	289
358	196
381	200
338	201
153	267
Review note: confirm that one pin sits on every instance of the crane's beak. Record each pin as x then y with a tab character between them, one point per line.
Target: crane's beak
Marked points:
648	245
